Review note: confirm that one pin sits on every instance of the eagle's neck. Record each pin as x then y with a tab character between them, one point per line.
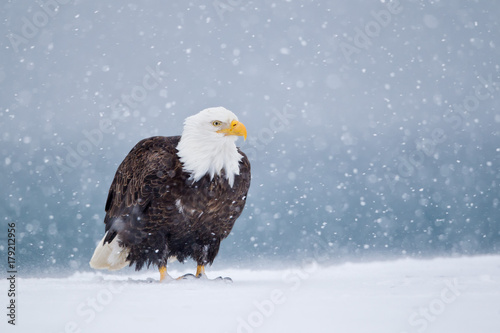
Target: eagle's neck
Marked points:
202	156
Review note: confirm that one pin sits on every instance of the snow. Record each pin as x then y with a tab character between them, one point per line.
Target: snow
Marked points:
407	295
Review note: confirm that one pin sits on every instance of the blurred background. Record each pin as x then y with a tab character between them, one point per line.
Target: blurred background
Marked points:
374	127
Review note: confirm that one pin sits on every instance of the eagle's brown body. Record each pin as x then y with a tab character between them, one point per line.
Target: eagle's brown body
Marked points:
158	212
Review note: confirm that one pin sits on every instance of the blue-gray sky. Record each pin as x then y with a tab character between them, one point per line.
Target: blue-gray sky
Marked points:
373	126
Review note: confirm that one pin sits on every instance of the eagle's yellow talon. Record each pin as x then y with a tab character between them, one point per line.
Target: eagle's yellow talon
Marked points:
200	270
163	273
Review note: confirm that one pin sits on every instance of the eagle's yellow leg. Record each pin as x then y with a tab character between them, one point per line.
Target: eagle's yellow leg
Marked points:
163	272
200	270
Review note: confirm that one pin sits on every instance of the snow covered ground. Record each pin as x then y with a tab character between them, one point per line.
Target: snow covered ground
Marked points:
439	295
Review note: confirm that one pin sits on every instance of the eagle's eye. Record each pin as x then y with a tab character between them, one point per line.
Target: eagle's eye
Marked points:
216	122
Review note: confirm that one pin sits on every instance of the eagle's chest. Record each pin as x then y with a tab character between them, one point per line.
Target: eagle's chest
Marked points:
208	207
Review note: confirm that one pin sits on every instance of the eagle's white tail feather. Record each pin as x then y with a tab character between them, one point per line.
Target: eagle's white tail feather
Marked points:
109	256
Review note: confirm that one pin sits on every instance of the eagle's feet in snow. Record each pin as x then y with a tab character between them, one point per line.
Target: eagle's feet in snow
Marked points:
203	276
187	277
223	279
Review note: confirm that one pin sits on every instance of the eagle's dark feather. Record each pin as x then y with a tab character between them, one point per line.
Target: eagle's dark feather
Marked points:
158	212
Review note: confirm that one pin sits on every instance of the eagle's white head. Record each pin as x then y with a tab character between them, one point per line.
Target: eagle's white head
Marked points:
207	144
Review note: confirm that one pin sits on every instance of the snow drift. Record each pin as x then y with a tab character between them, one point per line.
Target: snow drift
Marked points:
439	295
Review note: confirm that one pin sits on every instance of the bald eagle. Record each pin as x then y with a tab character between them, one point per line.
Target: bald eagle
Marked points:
176	196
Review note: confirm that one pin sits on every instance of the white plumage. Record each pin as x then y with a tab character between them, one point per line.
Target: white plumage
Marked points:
109	256
200	149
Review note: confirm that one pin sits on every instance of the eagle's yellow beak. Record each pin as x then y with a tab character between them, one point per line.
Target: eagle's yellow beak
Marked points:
236	128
